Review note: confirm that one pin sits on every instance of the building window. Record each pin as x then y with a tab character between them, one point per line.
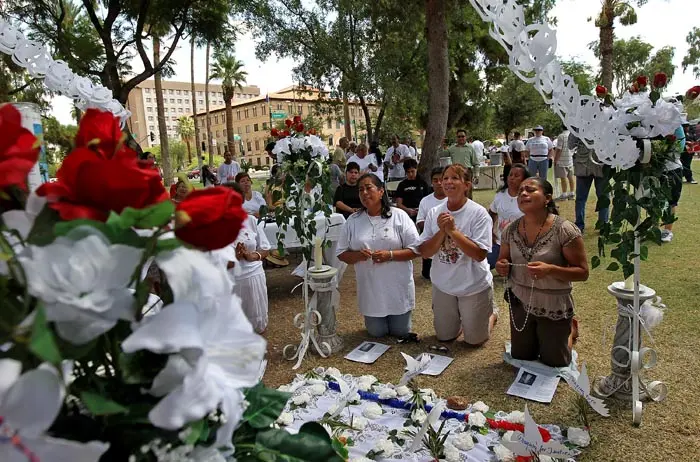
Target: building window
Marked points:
330	123
149	109
337	124
174	118
267	160
238	95
310	108
218	149
352	111
170	92
172	100
178	92
150	118
187	101
199	93
216	119
264	126
250	146
148	100
255	127
218	133
247	129
330	140
264	109
165	109
245	113
238	115
179	110
186	92
148	90
179	100
151	127
257	145
200	101
259	162
290	110
279	106
255	111
300	109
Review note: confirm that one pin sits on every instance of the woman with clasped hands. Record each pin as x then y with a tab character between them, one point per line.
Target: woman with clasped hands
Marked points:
376	240
457	234
541	254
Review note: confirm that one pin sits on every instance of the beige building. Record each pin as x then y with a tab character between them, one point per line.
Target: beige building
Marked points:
177	100
253	119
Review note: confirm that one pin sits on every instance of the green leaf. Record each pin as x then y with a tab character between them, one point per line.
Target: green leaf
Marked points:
311	444
150	217
196	431
99	405
615	238
614	266
644	252
654	96
266	404
166	245
42	232
42	342
595	261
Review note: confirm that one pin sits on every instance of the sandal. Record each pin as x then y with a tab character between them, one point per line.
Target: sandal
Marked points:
410	338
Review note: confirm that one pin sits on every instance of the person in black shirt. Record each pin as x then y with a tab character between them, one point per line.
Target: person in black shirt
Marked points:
347	196
411	190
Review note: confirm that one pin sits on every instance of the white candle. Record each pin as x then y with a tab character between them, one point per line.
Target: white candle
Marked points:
318	253
629	282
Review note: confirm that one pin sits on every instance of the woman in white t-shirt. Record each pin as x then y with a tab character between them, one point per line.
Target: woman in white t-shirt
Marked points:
252	200
504	208
367	162
376	240
250	283
458	234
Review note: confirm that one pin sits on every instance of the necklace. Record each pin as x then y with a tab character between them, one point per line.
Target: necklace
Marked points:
374	224
530	249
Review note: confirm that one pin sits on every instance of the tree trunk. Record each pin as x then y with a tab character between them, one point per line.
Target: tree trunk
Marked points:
606	38
346	116
378	123
371	136
229	127
189	151
438	85
197	144
162	129
210	143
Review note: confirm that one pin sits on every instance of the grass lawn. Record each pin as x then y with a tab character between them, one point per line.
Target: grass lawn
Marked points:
669	430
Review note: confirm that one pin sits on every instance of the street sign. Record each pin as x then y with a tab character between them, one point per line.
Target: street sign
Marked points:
279	114
236	137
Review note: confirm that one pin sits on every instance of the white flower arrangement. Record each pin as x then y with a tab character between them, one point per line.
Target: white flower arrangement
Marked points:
418	416
428	395
285	418
372	411
480	406
578	436
333	372
463	441
317	389
503	454
403	390
385	448
301	399
477	419
365	382
515	417
387	393
359	422
451	453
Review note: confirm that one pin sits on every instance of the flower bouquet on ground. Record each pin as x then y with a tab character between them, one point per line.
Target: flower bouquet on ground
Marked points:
99	360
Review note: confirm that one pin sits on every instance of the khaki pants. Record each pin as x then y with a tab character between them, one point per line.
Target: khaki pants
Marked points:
470	313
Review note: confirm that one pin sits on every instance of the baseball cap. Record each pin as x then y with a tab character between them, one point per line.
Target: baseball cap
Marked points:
539	127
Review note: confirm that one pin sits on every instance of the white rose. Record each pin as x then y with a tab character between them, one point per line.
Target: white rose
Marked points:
364	385
387	393
386	447
283	388
333	372
359	423
428	395
480	406
369	378
314	381
578	436
451	453
463	441
403	390
419	415
298	144
354	399
372	411
477	419
286	418
515	417
301	399
503	454
318	389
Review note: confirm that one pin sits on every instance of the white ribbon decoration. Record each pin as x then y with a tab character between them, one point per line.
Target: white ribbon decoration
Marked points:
532	57
35	58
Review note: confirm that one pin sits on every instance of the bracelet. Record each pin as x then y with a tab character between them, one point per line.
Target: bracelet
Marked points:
259	256
391	255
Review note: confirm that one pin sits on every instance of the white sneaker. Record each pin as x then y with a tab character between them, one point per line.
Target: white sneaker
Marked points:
666	236
561	198
572	196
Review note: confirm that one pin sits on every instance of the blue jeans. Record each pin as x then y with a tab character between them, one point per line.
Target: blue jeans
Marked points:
492	257
583	187
397	325
538	167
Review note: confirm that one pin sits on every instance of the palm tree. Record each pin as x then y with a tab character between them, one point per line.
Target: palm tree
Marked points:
605	21
230	71
207	78
193	44
185	128
162	130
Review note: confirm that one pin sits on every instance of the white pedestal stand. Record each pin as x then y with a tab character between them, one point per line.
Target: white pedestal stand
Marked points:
327	301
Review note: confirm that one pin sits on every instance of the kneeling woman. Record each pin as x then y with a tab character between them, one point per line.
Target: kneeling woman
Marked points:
541	254
458	234
376	240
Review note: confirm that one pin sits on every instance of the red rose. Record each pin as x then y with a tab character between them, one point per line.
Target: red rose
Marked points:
90	186
285	133
288	123
642	81
299	128
634	88
210	218
671	138
274	132
660	80
19	149
102	132
693	92
601	91
312	131
297	119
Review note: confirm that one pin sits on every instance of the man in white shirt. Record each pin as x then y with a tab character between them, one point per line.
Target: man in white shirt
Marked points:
539	149
478	149
395	156
426	205
564	166
229	169
407	141
517	150
367	162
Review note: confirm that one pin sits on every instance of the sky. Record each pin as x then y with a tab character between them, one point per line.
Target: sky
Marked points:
660	23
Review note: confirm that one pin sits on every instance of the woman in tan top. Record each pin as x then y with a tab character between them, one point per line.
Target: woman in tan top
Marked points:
542	254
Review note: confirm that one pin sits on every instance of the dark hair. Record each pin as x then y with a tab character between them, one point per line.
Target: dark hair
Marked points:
436	171
240	176
548	190
374	149
352	166
464	173
516	134
144	155
386	206
270	146
235	186
461	130
410	163
526	175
